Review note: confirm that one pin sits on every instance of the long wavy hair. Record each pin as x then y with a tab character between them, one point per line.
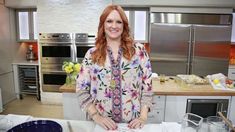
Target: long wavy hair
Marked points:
99	55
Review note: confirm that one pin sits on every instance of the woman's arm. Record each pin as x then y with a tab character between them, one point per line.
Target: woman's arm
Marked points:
84	83
146	92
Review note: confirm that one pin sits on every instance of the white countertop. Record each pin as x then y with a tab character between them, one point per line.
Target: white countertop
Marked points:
82	126
76	125
90	126
25	62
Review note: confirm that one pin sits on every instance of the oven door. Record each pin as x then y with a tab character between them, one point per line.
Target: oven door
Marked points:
207	107
81	50
56	53
53	80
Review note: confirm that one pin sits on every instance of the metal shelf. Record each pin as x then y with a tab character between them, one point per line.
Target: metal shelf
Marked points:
29	80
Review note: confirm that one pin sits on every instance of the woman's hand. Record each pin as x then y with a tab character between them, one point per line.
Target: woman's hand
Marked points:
105	122
137	123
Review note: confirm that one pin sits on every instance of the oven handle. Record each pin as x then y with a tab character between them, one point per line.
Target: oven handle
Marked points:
74	53
56	44
85	45
52	72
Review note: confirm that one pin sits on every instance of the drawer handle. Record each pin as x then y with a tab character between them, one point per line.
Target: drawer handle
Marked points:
233	72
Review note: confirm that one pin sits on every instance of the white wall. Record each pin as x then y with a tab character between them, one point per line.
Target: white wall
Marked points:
204	3
70	15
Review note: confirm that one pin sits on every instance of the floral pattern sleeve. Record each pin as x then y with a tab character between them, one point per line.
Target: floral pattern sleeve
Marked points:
147	94
83	83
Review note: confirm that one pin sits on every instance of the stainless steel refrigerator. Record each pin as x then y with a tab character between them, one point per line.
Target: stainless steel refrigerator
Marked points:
190	43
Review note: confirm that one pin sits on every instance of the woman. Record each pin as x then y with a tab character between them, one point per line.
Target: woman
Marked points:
114	83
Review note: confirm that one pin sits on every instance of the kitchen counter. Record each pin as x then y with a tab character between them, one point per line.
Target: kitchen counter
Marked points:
25	62
172	88
90	126
76	125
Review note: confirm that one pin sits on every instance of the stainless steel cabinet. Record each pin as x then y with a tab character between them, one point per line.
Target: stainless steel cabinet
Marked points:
26	80
29	80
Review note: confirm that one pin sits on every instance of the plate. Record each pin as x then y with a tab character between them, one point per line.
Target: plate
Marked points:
37	126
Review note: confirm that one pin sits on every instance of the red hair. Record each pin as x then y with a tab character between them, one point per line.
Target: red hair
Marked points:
99	55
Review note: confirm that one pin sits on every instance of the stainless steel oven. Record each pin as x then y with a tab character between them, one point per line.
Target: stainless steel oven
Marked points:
83	43
56	47
207	107
52	77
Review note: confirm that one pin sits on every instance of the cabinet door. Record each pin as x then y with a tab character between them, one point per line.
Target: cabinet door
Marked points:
231	73
232	109
23	25
7	88
156	116
26	25
157	113
71	107
159	102
175	108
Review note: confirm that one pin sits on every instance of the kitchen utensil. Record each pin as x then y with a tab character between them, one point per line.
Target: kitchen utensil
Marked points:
191	123
216	124
69	126
30	55
37	126
226	121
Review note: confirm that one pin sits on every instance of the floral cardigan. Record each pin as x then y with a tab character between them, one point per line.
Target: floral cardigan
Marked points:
93	84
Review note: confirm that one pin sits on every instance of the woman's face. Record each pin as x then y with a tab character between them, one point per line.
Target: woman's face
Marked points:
113	26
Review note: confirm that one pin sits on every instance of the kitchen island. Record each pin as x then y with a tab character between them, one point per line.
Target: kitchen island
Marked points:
170	87
169	101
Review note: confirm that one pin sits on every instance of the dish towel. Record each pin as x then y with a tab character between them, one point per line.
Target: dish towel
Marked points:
11	120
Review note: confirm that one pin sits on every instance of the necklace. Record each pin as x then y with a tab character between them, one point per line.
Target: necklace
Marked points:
115	74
